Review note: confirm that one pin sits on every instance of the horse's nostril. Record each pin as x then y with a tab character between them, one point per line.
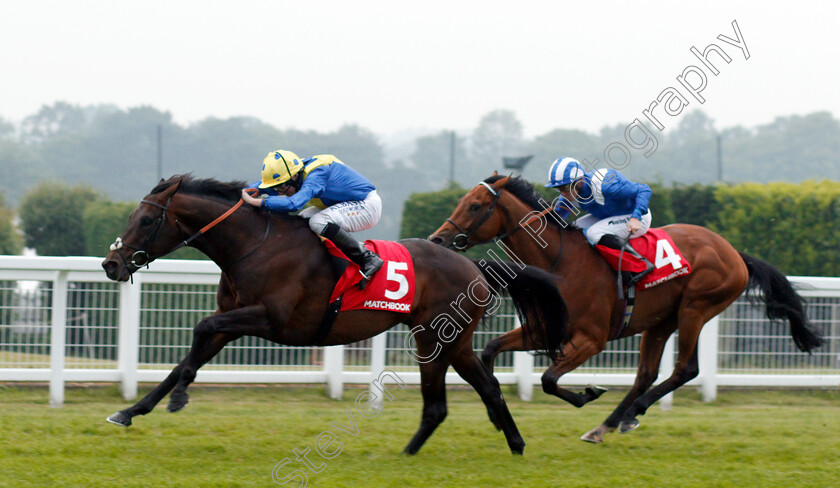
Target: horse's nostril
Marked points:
436	239
109	266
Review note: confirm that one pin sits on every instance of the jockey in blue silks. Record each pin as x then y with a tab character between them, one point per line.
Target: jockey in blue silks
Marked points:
618	208
342	200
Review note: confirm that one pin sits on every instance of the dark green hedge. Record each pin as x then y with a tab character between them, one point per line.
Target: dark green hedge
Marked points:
796	227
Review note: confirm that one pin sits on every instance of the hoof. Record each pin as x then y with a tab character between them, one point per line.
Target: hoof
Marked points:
628	425
518	451
593	437
177	403
120	419
596	435
595	391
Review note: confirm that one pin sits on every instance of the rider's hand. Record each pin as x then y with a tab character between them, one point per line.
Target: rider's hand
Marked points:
634	225
257	202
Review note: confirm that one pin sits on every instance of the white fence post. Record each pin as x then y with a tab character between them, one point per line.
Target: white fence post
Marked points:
377	366
708	351
333	366
666	367
523	369
58	334
129	336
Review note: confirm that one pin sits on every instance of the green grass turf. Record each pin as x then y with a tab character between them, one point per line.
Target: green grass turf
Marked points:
234	436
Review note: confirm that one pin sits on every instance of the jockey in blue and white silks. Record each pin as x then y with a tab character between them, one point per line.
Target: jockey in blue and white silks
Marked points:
342	200
617	207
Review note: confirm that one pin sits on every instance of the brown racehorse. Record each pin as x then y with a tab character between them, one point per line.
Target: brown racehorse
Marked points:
276	281
509	209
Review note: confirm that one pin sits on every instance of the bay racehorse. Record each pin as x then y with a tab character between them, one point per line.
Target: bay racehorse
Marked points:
509	209
277	279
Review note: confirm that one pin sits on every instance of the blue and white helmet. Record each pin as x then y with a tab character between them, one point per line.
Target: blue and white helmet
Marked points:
564	171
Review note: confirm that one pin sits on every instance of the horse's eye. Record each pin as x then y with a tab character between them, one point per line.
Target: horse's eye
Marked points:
146	220
474	207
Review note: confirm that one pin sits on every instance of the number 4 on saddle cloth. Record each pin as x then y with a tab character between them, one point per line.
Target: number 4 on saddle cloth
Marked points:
391	289
658	248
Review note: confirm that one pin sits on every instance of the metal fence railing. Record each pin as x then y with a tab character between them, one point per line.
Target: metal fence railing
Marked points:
62	320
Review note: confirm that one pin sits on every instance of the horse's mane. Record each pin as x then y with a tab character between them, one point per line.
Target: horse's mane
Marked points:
228	192
526	193
208	187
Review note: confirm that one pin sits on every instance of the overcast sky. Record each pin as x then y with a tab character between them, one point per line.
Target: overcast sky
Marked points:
391	65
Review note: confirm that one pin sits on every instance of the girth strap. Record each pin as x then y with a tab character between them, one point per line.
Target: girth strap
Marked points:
327	321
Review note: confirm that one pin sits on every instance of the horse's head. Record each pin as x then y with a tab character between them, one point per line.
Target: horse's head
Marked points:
151	232
475	219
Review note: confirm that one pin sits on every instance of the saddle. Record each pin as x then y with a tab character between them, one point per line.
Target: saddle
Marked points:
658	248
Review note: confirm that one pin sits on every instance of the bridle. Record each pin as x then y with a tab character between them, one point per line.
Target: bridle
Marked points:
461	241
141	257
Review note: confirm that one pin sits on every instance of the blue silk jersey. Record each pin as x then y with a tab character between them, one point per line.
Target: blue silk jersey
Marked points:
326	182
608	193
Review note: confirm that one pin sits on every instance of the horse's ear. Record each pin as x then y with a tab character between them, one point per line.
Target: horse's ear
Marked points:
171	190
501	183
495	173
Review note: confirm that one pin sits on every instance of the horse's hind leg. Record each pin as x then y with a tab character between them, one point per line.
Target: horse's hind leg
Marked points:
650	355
467	364
433	387
687	368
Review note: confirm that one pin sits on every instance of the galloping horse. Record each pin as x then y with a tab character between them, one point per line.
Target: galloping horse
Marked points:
509	209
276	283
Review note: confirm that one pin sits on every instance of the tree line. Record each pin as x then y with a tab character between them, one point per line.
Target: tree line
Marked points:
113	153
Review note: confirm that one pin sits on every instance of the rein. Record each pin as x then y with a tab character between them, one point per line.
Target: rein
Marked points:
522	225
141	257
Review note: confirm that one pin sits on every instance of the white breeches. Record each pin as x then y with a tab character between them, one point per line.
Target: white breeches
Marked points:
350	216
595	228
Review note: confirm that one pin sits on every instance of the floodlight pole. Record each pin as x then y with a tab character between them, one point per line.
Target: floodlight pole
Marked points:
159	153
452	158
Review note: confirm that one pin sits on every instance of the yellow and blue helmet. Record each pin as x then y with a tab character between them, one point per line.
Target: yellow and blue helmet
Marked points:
279	167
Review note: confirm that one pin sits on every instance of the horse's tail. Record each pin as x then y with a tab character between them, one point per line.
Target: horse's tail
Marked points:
781	301
538	301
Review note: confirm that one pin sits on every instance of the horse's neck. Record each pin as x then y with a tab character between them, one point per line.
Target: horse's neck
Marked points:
229	240
544	249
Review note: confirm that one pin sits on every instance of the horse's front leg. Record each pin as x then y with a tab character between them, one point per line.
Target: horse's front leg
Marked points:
509	341
579	348
206	344
148	402
209	337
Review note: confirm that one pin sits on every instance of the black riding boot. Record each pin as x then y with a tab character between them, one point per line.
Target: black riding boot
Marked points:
368	261
641	274
613	242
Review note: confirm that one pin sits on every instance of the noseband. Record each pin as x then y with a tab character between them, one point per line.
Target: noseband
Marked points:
461	240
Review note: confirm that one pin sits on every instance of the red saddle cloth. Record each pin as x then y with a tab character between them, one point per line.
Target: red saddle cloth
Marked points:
392	287
658	248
